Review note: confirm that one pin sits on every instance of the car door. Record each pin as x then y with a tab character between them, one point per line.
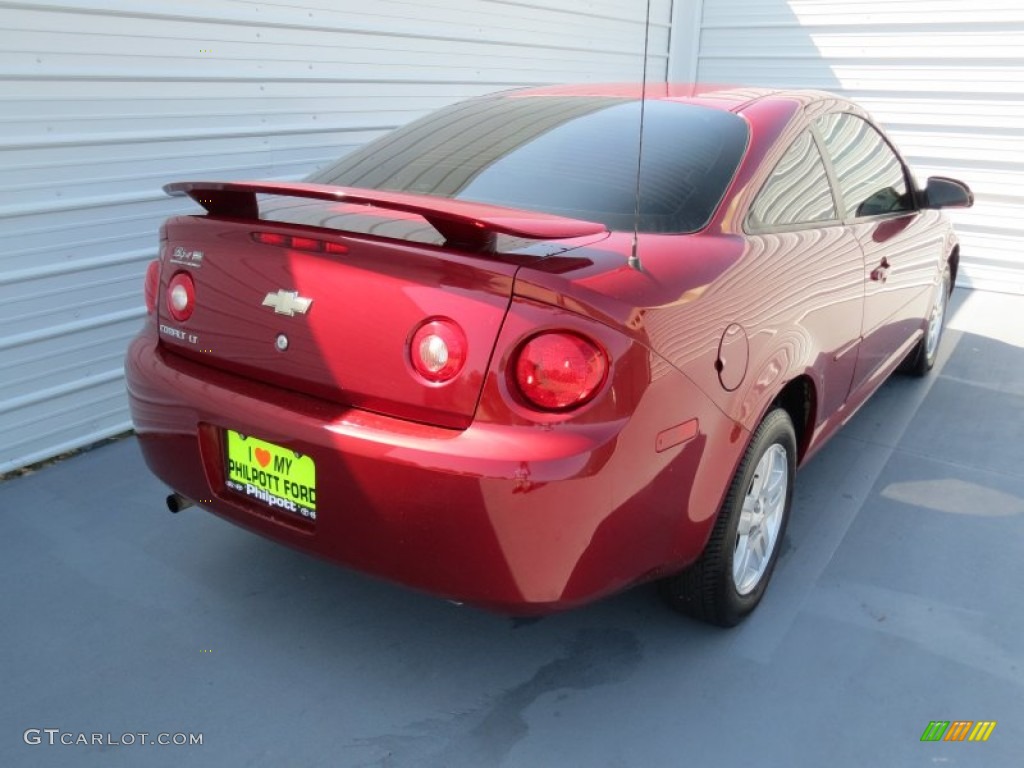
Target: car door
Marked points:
797	222
902	245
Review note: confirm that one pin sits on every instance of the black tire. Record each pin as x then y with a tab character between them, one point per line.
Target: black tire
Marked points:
708	589
922	358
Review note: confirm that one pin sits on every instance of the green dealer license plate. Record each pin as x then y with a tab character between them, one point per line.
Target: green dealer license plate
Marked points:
277	477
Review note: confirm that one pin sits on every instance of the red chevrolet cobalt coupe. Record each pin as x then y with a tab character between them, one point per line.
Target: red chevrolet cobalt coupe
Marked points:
480	358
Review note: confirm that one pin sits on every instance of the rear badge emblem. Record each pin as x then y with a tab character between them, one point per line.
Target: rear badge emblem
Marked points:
187	258
287	303
281	342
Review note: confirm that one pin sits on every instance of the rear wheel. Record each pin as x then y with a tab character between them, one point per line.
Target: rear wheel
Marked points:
922	359
729	579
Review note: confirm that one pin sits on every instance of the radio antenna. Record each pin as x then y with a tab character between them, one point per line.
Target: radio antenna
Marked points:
634	258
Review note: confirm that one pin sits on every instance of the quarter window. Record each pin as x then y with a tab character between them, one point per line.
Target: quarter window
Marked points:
870	175
797	192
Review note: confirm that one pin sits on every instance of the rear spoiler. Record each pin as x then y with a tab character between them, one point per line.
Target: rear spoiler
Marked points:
462	224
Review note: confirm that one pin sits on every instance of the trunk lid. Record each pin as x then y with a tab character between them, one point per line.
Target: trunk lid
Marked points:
336	322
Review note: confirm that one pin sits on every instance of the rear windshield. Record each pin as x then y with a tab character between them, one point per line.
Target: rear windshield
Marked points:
572	156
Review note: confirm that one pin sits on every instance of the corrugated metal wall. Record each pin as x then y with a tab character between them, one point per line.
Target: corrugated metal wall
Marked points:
103	101
946	78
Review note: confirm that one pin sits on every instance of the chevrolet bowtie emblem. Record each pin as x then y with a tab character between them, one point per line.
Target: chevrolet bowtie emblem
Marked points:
287	303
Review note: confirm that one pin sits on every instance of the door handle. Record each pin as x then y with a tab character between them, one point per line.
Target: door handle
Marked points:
881	272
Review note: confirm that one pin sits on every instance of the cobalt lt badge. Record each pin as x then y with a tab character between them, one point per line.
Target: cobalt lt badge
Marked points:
287	303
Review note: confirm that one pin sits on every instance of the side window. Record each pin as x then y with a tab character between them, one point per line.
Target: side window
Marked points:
870	175
797	192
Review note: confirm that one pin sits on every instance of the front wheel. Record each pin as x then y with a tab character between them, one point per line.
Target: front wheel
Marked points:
922	358
729	579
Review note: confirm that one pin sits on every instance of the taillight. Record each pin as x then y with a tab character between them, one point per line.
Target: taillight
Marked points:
438	349
557	371
298	243
152	285
181	296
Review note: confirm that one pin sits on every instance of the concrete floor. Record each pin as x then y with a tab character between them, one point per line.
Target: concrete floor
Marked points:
897	601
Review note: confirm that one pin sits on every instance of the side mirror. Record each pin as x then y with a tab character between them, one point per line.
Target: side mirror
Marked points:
947	193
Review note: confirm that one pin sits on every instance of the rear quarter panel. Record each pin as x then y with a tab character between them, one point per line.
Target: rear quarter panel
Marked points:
796	296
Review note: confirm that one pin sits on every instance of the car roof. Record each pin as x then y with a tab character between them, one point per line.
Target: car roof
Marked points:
731	98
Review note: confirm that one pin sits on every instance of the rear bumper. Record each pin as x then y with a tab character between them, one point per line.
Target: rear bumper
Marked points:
517	519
